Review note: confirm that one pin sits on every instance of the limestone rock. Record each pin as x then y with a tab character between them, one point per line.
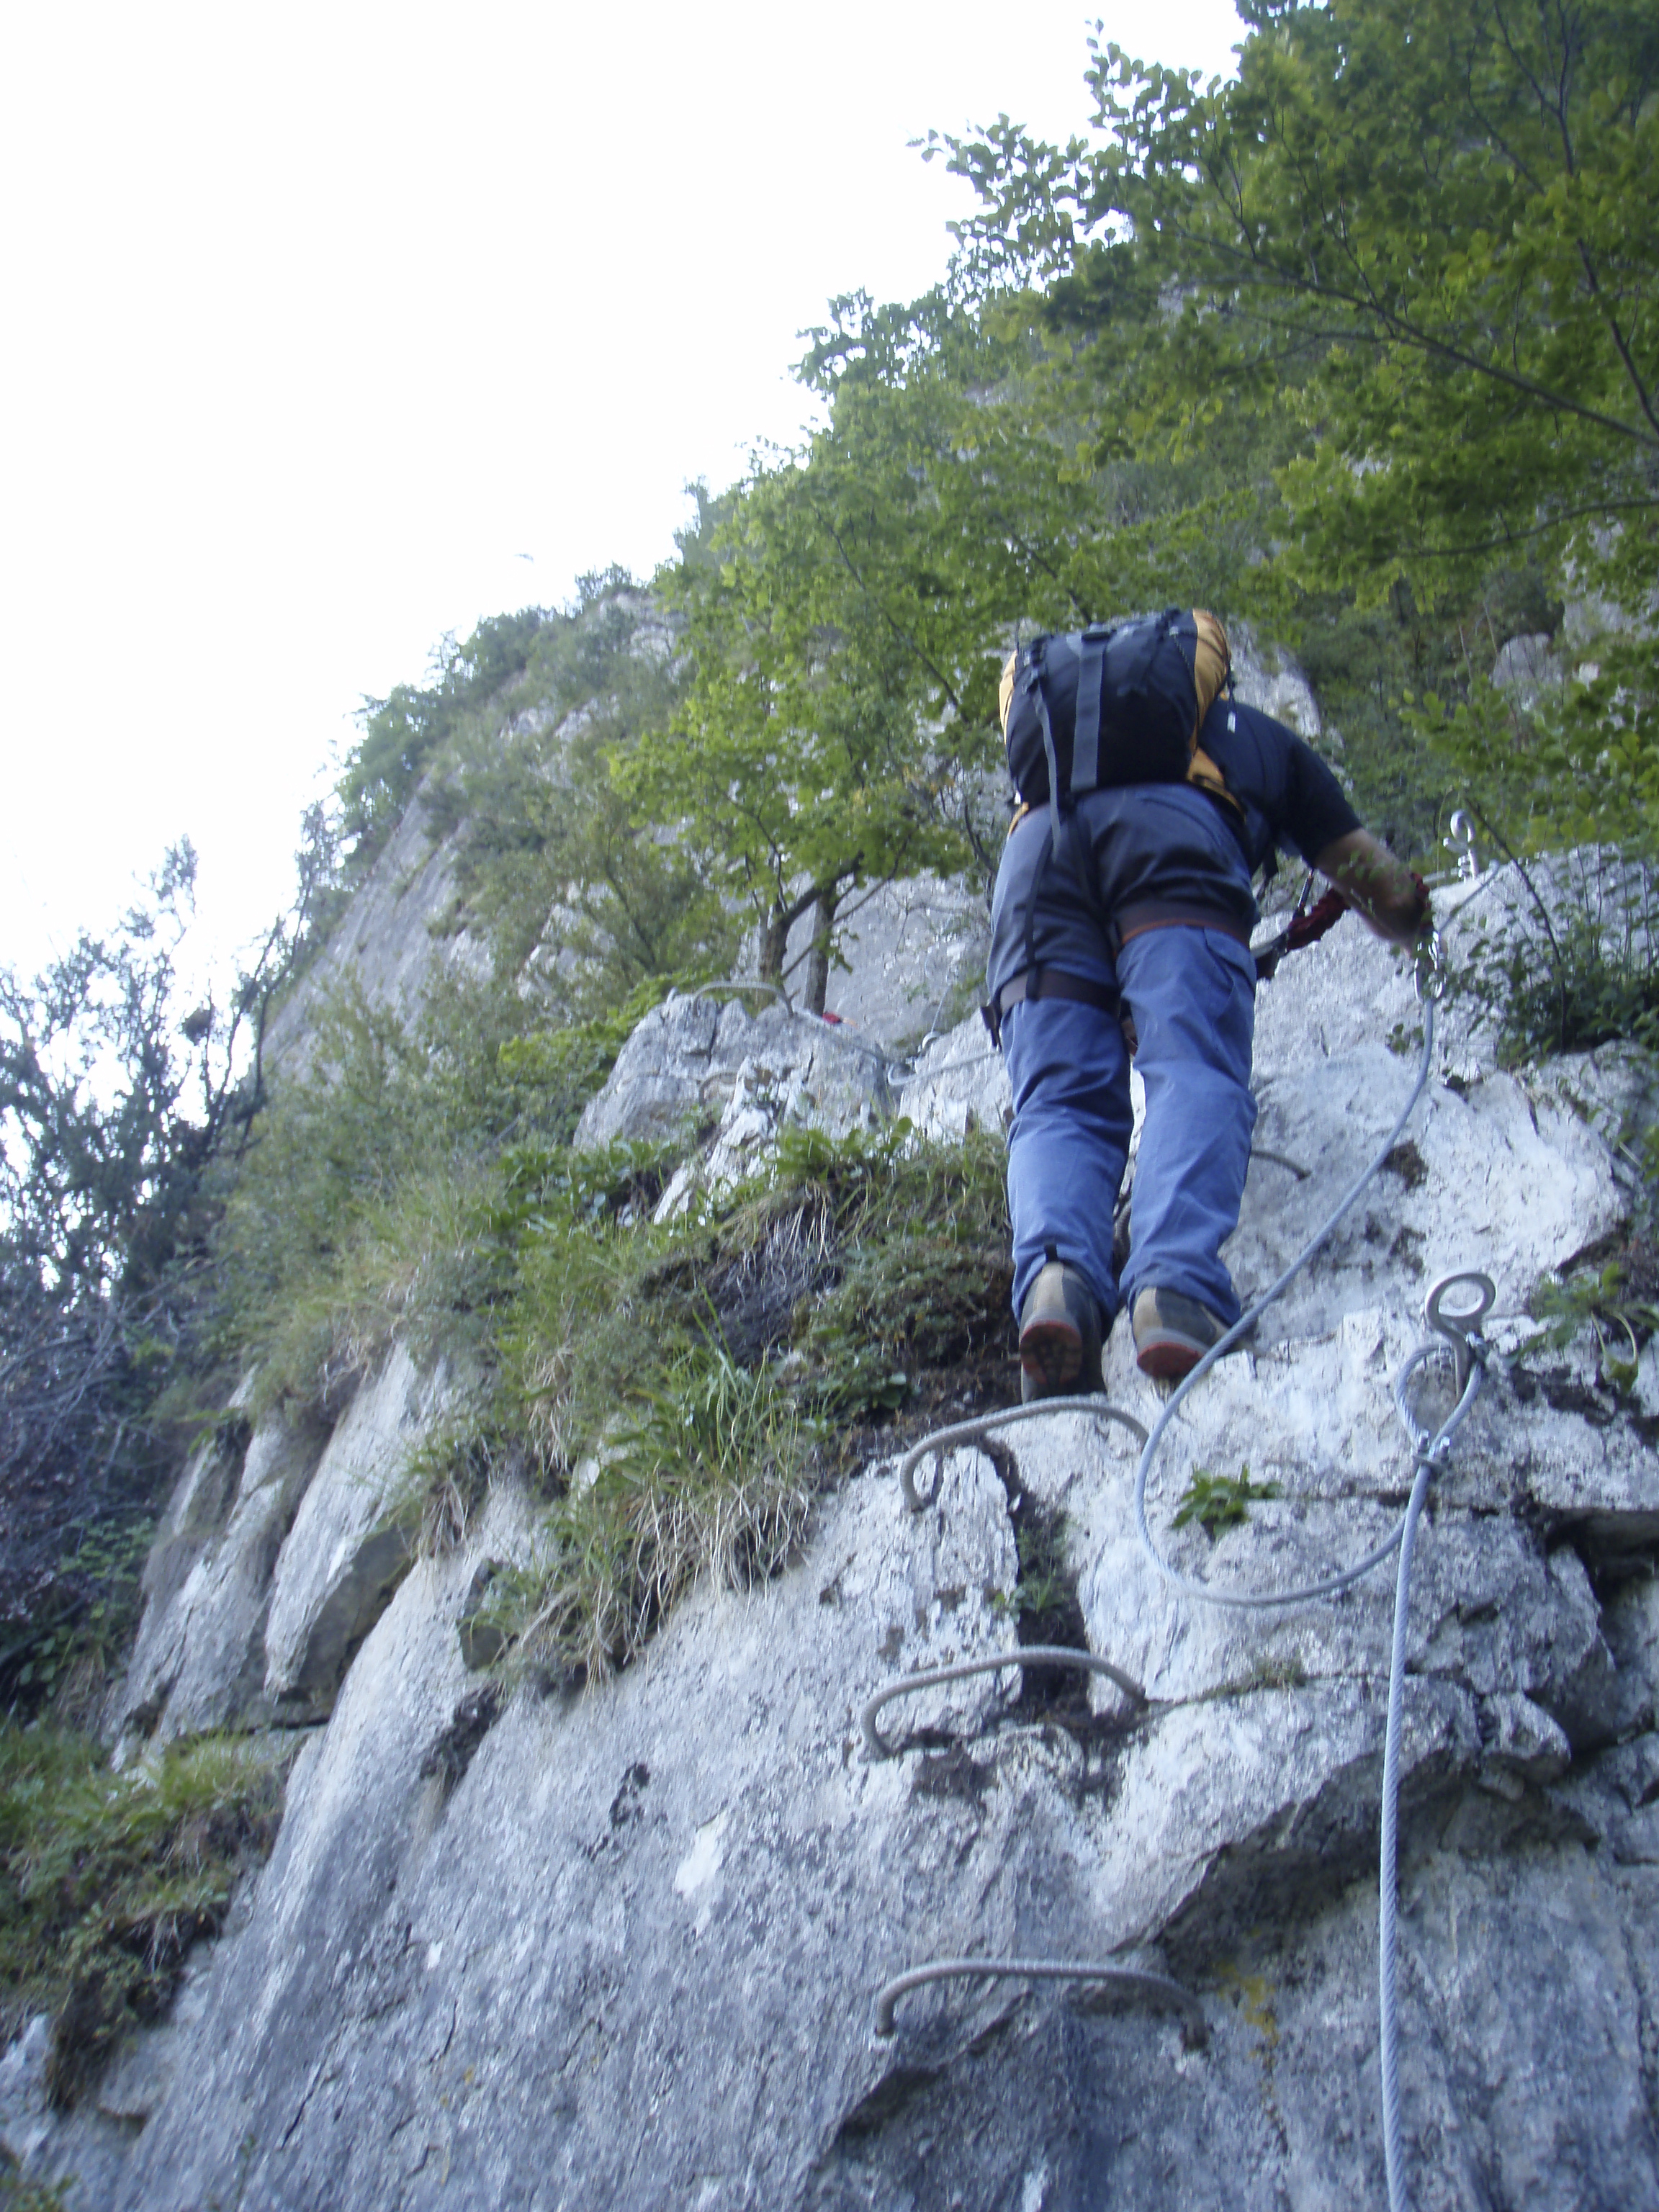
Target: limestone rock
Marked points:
623	1945
396	935
347	1551
199	1659
957	1084
1269	679
907	954
273	1562
750	1078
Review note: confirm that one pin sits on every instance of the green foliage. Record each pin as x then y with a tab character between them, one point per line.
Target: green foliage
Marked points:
581	893
1407	259
1045	1599
120	1114
403	733
665	1390
18	2195
1572	960
922	1280
1618	1301
1446	208
107	1880
1220	1501
75	1637
371	1203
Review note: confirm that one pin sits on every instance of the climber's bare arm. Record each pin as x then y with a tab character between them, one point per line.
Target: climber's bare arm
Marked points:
1379	887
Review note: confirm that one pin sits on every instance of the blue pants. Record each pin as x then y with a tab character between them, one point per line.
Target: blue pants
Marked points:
1192	994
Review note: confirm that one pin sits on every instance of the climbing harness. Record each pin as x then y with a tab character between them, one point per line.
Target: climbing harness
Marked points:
1453	1326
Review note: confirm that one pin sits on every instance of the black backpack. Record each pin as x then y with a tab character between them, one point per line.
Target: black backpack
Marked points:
1109	706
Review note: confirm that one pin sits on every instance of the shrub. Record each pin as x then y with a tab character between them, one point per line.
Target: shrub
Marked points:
108	1880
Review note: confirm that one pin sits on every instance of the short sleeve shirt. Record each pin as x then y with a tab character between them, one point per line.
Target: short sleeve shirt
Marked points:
1289	794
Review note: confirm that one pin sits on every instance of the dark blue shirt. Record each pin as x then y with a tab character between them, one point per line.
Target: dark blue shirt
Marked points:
1288	793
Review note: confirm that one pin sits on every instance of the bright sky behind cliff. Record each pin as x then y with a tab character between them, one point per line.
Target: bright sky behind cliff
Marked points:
330	330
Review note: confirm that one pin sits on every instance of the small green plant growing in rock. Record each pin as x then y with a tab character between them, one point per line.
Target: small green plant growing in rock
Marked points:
1044	1600
1619	1303
1220	1501
19	2194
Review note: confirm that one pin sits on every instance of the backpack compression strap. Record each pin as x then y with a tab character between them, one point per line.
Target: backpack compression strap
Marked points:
1032	680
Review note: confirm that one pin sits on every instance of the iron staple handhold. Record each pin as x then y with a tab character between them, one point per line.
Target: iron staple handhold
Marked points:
1159	1989
1028	1654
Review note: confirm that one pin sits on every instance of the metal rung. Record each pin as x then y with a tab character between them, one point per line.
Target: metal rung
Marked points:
964	1433
1157	1988
1030	1655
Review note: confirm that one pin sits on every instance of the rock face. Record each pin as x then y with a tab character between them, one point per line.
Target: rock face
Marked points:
622	1947
279	1552
702	1059
396	932
905	952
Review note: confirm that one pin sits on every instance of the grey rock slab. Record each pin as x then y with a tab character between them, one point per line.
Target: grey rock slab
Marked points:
82	2154
1493	1182
958	1084
199	1658
1527	666
1272	681
685	1057
346	1552
395	935
632	1957
639	1943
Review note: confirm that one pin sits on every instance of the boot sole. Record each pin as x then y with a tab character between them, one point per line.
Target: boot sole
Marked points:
1168	1359
1051	1357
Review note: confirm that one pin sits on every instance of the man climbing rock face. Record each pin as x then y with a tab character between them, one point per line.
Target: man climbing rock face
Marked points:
1131	934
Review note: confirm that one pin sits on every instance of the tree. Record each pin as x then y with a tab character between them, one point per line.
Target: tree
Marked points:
1427	231
1454	203
113	1111
579	892
404	733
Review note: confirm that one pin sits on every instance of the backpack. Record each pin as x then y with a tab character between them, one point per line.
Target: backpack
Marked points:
1113	705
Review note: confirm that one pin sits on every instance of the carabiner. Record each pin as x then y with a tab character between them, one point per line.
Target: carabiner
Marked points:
1428	968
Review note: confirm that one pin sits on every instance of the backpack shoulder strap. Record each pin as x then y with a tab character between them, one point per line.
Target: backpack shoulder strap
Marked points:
1090	680
1208	776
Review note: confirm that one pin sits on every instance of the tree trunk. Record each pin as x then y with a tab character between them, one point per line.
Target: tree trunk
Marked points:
818	960
774	943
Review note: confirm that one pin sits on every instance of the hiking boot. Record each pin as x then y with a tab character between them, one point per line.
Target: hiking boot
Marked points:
1172	1334
1060	1336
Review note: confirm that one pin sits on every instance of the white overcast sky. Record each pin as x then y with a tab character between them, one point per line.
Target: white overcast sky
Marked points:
317	320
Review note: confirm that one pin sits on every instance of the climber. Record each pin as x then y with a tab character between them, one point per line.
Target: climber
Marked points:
1132	936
